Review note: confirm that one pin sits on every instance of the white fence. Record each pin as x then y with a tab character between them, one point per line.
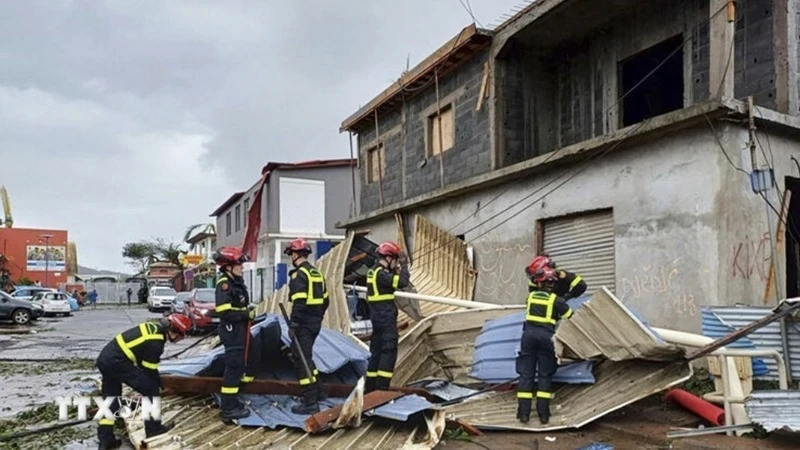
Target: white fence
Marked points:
109	292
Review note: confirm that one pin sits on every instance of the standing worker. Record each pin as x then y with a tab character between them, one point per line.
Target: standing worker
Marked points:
537	354
309	297
235	313
130	293
132	358
568	285
389	275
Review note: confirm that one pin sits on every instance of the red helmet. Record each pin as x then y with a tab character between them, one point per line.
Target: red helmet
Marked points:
230	256
544	275
178	323
540	262
389	248
297	246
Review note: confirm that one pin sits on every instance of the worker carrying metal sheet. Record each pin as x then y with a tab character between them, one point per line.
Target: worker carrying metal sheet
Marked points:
537	357
235	313
132	358
388	276
309	296
568	285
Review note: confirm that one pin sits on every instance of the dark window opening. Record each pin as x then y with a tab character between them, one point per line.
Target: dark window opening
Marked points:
238	217
792	235
659	69
228	224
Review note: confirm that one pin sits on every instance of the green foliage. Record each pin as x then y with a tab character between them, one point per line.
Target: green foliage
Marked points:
24	281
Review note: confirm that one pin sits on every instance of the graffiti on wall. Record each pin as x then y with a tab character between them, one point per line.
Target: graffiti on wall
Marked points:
501	267
659	282
751	258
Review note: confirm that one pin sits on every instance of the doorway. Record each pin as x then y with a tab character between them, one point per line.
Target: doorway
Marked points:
791	237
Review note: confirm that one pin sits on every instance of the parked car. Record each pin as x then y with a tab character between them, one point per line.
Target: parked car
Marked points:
28	292
201	309
21	312
180	301
53	303
160	298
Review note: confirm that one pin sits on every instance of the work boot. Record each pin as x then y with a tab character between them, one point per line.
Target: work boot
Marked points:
154	428
320	393
109	443
306	409
369	386
524	410
544	419
543	409
233	408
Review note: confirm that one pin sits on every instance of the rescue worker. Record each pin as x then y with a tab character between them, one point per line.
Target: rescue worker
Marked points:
389	275
132	358
234	311
537	357
568	285
309	297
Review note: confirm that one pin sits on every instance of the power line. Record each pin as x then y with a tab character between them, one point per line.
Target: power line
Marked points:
468	8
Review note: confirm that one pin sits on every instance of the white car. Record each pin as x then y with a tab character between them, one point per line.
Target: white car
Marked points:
53	303
160	298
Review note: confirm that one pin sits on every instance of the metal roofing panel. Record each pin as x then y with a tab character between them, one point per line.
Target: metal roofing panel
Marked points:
774	410
402	408
272	411
714	328
768	337
444	389
635	363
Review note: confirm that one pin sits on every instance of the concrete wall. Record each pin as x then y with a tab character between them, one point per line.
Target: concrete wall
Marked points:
667	202
408	172
754	67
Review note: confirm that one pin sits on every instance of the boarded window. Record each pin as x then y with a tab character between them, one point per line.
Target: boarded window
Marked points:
583	244
446	126
375	163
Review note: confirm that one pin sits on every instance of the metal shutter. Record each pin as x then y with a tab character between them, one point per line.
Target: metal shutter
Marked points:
583	244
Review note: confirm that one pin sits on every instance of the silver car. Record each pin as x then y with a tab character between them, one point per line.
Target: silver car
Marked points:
179	303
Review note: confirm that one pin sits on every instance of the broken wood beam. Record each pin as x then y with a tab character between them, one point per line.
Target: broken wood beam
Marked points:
211	385
320	421
786	309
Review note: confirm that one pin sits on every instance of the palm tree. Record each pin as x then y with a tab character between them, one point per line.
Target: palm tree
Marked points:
190	231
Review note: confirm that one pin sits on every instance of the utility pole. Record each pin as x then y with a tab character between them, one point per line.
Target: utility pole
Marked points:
46	238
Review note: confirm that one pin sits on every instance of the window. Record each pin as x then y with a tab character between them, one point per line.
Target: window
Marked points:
435	144
652	81
375	163
228	224
238	217
246	210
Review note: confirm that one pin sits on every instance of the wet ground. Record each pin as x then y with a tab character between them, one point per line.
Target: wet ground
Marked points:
54	357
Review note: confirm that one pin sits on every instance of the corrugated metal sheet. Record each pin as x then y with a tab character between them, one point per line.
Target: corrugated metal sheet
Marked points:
768	337
774	410
444	389
440	266
584	244
634	363
198	426
714	328
402	408
332	265
497	346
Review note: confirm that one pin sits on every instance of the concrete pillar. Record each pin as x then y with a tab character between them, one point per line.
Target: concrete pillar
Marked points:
786	43
721	57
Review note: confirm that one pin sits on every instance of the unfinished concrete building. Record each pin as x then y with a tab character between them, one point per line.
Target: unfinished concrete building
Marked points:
614	135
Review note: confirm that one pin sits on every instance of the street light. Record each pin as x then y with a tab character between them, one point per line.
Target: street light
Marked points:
46	238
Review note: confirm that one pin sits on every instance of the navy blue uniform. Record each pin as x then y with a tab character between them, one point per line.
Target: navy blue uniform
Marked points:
232	302
381	286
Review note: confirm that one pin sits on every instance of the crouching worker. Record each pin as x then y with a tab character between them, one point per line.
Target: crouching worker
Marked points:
537	357
132	358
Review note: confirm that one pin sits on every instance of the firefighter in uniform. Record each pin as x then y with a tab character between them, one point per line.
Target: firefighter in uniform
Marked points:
309	297
234	311
568	285
388	276
537	357
132	358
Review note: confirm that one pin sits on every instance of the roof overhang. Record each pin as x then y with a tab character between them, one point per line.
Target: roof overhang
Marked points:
227	204
464	46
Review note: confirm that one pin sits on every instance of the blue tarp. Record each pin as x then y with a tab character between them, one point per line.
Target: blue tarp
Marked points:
715	329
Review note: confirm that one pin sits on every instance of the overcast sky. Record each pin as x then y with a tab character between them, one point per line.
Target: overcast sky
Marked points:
130	119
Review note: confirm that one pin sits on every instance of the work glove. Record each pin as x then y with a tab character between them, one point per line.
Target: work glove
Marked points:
251	312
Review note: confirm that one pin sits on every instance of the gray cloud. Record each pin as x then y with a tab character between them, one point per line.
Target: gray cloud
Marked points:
122	120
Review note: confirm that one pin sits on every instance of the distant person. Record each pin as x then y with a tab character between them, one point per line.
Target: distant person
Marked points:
130	293
93	298
38	283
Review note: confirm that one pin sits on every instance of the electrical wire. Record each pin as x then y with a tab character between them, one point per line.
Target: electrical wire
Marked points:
468	8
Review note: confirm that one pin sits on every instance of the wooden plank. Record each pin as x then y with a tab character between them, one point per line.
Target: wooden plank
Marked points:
779	238
320	421
484	86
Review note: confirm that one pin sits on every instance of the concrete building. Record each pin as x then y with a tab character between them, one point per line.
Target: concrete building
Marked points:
615	136
305	199
34	254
